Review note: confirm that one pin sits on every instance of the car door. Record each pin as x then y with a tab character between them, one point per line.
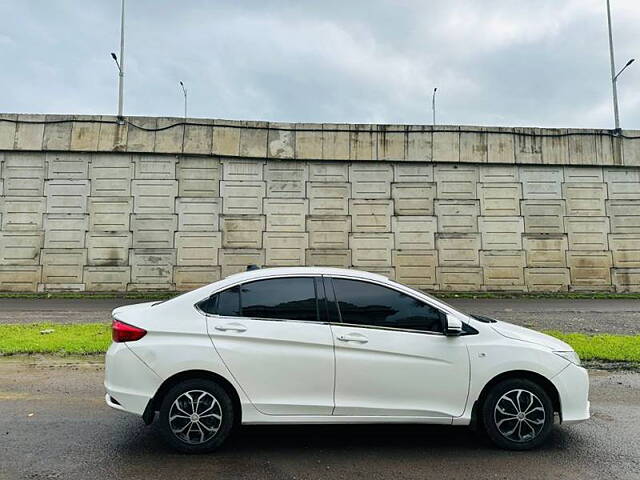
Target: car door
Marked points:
392	357
269	334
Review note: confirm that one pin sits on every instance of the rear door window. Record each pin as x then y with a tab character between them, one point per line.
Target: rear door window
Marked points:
292	298
280	298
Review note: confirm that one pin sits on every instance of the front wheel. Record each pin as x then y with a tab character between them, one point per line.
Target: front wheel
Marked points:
517	414
196	416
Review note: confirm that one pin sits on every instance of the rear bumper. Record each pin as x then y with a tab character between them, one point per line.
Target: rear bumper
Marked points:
572	384
129	383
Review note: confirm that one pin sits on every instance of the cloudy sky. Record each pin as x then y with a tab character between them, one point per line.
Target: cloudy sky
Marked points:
495	62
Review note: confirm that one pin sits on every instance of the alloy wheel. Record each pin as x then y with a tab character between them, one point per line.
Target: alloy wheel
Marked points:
519	415
195	417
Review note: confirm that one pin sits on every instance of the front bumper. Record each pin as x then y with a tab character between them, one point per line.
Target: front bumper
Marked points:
129	382
572	384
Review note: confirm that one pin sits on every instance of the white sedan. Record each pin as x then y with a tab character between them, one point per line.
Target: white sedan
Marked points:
323	345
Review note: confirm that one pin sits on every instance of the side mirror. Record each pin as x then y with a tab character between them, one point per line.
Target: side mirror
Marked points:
453	327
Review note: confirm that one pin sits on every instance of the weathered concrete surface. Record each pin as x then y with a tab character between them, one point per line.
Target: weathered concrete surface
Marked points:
71	432
589	316
92	206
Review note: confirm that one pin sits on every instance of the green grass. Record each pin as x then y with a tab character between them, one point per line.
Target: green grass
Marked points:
558	295
142	296
92	338
66	339
603	347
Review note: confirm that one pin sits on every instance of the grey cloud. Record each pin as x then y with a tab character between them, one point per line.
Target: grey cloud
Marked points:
495	62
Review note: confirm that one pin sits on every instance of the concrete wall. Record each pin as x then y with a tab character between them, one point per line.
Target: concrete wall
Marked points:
94	206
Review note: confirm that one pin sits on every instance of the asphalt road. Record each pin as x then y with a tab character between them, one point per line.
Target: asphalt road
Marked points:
54	424
590	316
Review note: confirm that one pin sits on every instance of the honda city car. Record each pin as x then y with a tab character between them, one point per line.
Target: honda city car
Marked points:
314	345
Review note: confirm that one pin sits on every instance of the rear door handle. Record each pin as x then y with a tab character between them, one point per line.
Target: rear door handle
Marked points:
231	327
353	337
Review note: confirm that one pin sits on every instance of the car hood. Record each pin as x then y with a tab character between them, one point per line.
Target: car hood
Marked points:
527	335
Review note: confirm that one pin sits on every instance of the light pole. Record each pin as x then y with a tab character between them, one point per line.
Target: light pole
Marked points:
184	91
120	66
614	76
433	105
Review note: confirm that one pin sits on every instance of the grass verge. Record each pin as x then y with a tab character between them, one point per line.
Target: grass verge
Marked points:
63	339
603	347
93	338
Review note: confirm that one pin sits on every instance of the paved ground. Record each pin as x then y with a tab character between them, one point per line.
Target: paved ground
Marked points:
615	316
54	424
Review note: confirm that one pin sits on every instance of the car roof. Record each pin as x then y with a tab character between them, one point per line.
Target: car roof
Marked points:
275	271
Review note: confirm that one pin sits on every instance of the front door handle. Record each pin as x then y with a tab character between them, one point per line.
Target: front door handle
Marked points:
231	327
353	337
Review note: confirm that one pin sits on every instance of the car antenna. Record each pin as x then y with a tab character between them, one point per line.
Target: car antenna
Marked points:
252	266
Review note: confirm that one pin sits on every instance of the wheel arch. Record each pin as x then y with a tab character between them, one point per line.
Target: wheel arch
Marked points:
537	378
154	404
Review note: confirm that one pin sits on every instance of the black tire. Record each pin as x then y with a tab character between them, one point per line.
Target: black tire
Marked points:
536	425
197	440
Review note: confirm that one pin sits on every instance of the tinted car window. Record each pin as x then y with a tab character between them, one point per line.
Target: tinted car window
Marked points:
284	298
364	303
225	303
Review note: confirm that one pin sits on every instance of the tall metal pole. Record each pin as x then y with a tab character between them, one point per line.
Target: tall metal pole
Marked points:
613	72
121	68
433	105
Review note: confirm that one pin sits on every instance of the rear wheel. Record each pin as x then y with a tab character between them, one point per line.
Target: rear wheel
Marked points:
196	416
517	414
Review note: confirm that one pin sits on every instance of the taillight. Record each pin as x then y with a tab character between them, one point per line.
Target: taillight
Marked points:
123	332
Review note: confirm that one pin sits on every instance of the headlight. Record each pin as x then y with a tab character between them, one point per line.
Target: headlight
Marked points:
570	356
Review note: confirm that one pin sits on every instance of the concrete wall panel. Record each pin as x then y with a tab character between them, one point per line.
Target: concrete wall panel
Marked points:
545	251
501	233
457	216
66	230
154	196
587	233
458	250
371	249
198	214
285	249
499	199
198	177
413	198
541	183
370	215
286	179
585	198
242	231
370	180
416	268
242	198
22	213
328	231
456	181
153	231
108	249
286	214
197	248
414	232
543	216
624	216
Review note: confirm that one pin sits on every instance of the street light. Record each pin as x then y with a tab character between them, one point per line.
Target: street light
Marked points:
433	105
624	68
184	91
120	65
614	76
